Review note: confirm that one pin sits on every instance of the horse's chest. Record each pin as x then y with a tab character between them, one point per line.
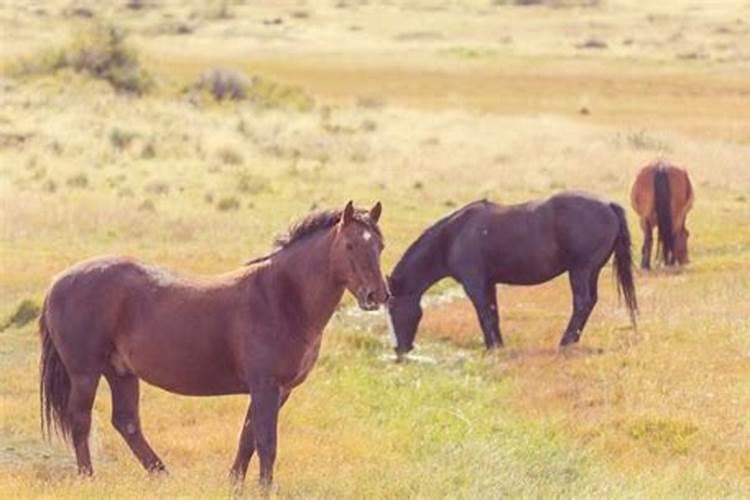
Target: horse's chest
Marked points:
307	360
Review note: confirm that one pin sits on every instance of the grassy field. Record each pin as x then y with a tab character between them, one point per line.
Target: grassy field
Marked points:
425	106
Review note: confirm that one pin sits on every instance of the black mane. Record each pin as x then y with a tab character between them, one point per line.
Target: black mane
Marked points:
311	224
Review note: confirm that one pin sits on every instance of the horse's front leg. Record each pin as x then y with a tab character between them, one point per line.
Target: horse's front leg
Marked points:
247	445
267	398
482	295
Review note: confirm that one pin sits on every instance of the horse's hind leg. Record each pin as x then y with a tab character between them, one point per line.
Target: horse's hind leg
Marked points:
80	402
125	418
648	241
593	298
584	299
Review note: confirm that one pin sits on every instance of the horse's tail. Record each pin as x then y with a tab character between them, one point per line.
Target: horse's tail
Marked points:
54	384
623	262
663	202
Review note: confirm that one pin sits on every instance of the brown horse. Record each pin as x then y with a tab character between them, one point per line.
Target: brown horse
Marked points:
662	195
256	331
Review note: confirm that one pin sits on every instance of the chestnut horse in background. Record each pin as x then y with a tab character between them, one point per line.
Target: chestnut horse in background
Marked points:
256	331
662	195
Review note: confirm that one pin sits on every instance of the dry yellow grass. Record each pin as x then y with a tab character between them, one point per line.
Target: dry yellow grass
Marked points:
482	100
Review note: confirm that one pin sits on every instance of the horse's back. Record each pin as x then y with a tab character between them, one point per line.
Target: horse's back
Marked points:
582	221
94	277
642	194
535	241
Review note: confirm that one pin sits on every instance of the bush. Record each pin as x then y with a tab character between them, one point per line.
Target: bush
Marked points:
147	206
230	156
228	203
251	184
26	312
44	62
101	52
121	139
224	84
78	181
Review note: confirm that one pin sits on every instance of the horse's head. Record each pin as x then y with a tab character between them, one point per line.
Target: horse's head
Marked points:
404	312
681	246
356	256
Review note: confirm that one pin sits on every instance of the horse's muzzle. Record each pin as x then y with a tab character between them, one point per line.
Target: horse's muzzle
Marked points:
370	300
401	352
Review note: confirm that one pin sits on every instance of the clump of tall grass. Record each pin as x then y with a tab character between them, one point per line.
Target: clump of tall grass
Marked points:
101	51
79	180
248	183
228	203
121	138
224	84
26	312
233	85
230	155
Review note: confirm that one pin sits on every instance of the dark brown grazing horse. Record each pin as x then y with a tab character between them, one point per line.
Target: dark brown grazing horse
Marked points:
483	244
662	195
256	330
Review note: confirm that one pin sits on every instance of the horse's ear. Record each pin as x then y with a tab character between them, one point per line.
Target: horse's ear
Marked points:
348	214
375	212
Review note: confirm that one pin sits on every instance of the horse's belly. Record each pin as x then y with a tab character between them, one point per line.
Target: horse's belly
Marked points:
526	270
199	383
527	279
193	373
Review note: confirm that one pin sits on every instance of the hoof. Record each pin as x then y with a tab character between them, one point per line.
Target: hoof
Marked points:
568	342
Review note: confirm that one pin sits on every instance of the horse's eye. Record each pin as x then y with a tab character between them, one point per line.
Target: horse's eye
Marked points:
349	246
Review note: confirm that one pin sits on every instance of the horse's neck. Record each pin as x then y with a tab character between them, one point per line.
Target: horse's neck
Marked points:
421	267
306	268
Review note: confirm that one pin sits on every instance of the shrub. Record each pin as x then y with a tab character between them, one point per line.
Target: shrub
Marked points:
44	62
101	52
228	203
251	184
368	125
224	84
230	156
157	188
121	139
147	206
643	141
50	186
149	150
272	95
26	312
78	181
